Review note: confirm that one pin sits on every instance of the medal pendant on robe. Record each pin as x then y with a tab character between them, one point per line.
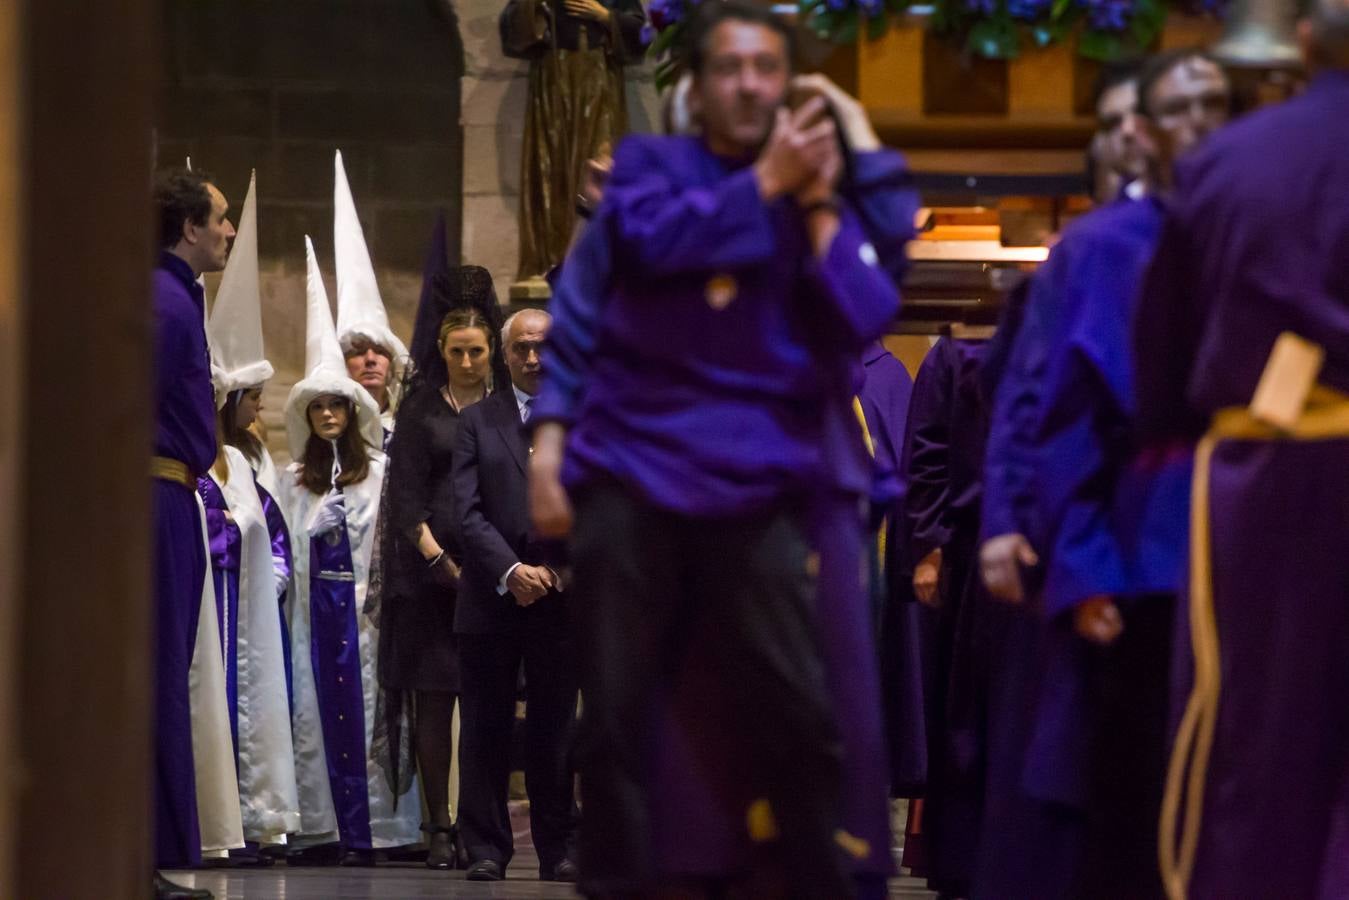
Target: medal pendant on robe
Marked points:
720	291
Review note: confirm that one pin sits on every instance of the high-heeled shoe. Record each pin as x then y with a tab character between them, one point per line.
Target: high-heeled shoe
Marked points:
442	846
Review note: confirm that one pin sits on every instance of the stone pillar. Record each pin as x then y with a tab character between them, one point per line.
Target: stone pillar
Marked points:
11	417
81	544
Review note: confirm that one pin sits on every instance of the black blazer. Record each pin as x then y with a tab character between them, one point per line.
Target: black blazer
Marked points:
489	472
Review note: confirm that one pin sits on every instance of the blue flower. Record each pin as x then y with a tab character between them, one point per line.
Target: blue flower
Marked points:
837	5
982	7
1108	15
664	13
647	35
1028	10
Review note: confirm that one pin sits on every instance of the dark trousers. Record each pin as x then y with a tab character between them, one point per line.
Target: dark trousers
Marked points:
644	578
489	669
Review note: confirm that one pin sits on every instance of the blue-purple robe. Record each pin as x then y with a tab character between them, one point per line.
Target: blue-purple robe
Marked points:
336	660
943	462
224	540
1028	847
691	782
1255	244
886	392
1099	740
284	566
680	408
184	431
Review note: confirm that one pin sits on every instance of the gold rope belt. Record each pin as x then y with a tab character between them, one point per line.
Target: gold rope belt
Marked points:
871	448
168	469
1326	417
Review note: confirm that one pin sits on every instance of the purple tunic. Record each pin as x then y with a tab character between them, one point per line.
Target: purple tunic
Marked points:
185	431
681	409
225	542
334	649
1255	244
283	564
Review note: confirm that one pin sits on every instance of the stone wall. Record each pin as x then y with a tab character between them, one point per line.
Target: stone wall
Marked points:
416	93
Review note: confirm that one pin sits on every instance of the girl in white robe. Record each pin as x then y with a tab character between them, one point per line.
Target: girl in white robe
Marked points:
331	498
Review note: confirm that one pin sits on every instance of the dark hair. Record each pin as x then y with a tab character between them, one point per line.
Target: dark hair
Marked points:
1112	75
711	13
316	466
243	440
180	197
1157	67
1330	31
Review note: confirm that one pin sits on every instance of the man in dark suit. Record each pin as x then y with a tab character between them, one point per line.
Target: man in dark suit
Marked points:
511	611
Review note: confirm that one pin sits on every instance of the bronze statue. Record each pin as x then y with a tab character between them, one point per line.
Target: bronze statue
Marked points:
576	108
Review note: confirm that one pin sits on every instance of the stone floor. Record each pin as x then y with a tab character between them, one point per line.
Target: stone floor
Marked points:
412	881
404	882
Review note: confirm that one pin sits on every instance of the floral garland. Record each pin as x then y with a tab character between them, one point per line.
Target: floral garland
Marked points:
999	29
841	21
994	29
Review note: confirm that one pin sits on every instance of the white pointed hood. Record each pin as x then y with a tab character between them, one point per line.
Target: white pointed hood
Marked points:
234	329
325	370
360	310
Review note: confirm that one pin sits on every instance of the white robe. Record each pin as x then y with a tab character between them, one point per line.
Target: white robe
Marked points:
318	814
218	813
267	791
266	474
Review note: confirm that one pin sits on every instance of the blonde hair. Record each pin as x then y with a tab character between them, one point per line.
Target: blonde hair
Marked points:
456	319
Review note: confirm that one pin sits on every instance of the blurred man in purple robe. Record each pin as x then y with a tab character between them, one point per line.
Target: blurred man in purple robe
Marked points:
743	294
1115	544
194	238
1255	245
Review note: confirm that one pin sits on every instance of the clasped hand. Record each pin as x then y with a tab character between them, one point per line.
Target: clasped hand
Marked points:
528	583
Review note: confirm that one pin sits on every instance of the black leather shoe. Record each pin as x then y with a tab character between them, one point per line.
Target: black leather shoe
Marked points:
563	871
319	855
167	890
485	870
358	859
